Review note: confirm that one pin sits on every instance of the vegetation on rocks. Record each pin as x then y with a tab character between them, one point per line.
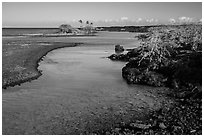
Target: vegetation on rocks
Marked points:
172	57
66	28
119	48
87	29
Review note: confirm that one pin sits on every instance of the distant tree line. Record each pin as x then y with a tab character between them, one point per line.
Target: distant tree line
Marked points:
140	29
86	28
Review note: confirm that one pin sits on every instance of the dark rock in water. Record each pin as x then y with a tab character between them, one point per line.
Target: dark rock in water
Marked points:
119	48
135	71
136	76
119	57
130	56
128	49
133	54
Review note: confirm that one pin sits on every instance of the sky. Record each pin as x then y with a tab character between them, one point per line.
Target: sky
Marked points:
53	14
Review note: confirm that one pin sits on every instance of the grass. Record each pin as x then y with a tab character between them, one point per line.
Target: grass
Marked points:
20	59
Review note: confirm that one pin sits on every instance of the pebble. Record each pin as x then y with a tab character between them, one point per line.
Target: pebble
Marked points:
192	131
162	126
141	126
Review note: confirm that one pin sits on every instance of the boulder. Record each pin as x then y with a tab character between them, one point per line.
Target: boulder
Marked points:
119	48
118	57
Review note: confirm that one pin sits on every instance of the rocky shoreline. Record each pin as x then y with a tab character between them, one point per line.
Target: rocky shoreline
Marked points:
167	57
172	64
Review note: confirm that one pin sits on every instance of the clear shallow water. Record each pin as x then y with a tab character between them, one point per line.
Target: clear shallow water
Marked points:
79	92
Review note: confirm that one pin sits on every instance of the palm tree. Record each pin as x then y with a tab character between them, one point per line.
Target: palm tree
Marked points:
91	26
80	21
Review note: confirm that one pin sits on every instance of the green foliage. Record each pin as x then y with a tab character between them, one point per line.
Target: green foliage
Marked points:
88	28
164	43
66	28
173	51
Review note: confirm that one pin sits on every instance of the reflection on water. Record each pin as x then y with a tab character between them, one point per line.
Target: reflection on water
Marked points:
80	91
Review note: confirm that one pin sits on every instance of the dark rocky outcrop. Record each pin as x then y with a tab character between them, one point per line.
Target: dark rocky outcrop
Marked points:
167	57
119	48
135	76
131	55
135	72
118	57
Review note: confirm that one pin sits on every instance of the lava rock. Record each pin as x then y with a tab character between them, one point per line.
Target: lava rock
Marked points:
119	48
140	126
136	76
118	57
162	126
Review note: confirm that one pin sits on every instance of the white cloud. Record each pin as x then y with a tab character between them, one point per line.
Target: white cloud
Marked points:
108	20
171	20
124	18
185	19
139	19
150	20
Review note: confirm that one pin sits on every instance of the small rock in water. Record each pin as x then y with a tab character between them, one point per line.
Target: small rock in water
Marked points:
119	48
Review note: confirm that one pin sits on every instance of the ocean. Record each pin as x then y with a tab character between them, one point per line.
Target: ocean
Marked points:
27	31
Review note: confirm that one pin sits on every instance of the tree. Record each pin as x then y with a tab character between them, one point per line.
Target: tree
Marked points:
80	21
66	28
87	28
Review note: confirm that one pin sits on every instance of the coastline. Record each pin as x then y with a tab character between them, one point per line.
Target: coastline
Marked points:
31	64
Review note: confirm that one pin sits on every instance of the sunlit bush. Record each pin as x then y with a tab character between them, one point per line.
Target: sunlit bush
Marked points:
174	51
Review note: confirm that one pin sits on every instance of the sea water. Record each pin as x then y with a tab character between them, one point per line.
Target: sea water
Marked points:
80	91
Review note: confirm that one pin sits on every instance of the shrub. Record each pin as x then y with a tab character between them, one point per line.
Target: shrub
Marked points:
175	52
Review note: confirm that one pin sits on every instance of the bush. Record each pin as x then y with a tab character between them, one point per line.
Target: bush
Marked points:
174	52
